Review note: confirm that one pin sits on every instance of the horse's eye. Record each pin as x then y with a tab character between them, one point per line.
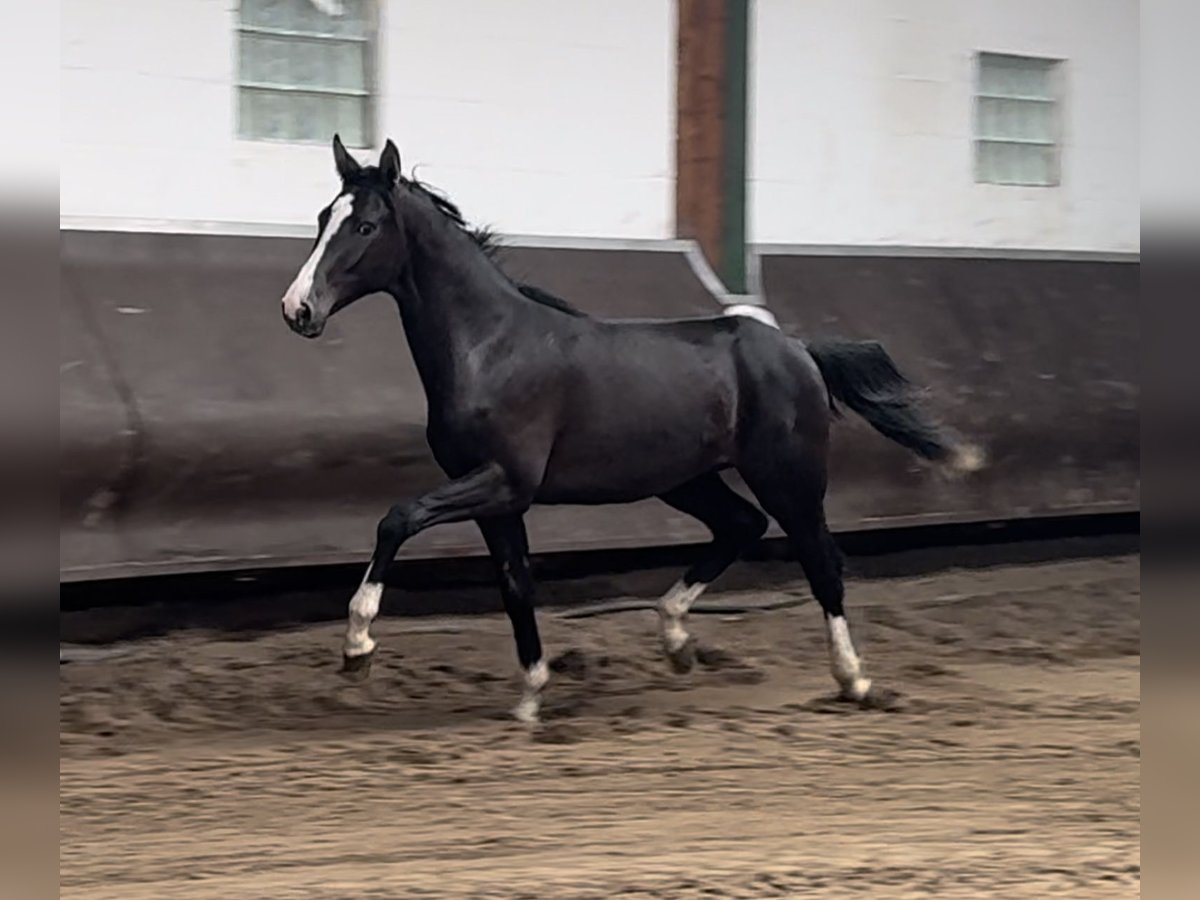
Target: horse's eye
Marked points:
366	228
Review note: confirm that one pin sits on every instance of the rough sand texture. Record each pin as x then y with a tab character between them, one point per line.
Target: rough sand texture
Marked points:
203	766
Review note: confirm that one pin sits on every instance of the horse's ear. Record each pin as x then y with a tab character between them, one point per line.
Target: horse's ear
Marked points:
347	166
389	162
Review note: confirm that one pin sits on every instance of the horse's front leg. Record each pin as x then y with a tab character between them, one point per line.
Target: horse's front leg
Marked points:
509	546
486	492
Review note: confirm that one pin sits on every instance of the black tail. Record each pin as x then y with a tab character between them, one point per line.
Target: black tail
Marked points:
861	375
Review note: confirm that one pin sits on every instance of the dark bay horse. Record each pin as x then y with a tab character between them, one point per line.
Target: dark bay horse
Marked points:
531	401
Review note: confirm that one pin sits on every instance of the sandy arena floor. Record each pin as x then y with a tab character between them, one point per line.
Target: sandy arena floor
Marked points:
241	766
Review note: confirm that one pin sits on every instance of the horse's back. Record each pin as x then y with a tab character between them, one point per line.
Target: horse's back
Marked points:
648	405
737	357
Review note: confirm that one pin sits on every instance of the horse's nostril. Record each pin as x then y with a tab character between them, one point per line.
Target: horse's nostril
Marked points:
304	314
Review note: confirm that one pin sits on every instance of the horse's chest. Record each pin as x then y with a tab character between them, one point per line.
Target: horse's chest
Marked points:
458	437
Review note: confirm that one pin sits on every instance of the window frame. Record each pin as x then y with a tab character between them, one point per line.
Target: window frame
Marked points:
1056	80
369	95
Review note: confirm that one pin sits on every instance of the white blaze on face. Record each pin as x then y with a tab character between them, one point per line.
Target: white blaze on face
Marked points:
301	288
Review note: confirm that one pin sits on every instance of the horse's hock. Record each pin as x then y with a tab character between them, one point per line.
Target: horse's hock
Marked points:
198	432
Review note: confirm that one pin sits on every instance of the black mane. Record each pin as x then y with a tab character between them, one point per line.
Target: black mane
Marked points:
489	242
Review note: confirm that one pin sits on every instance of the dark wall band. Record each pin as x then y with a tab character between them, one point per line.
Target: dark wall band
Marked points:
199	433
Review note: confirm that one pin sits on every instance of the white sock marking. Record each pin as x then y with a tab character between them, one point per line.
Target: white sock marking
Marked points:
847	670
536	677
364	607
301	288
672	611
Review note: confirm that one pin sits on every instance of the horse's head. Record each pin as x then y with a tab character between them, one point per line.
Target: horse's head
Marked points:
358	250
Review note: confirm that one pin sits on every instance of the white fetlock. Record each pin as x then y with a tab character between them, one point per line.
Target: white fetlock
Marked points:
674	637
364	607
536	677
672	611
847	669
359	647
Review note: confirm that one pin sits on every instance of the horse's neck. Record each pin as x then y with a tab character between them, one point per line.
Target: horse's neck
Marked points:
453	301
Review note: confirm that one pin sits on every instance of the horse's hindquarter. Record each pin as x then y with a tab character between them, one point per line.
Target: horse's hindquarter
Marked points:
648	406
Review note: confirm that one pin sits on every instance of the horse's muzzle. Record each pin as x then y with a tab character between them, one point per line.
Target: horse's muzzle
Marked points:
305	322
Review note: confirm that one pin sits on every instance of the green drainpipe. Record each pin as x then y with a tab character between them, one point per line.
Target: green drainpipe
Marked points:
733	187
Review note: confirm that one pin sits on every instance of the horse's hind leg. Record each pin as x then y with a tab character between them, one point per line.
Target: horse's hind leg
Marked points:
794	496
822	562
509	546
735	524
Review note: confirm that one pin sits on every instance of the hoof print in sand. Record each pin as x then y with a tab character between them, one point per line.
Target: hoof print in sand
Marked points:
572	663
883	699
556	733
878	699
733	669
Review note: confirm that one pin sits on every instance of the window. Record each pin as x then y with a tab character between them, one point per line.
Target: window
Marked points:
1016	120
305	70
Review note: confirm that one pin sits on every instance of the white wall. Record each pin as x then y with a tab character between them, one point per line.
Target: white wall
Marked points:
861	117
537	116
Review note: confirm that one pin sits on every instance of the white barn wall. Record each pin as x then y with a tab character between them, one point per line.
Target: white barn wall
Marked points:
538	116
543	117
861	117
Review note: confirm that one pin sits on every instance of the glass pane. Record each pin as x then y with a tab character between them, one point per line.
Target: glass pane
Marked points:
1014	119
1033	165
272	13
1029	164
264	115
991	76
248	125
985	118
263	60
993	118
1027	168
1039	121
1045	171
985	166
1031	78
991	162
295	116
320	117
351	121
355	19
341	17
1015	76
331	65
266	59
348	66
1004	164
1016	162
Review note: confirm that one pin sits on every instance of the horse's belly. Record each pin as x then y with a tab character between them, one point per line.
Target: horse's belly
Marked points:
623	467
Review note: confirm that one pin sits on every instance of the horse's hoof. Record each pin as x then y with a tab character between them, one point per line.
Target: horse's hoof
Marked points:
683	659
857	691
527	712
356	668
